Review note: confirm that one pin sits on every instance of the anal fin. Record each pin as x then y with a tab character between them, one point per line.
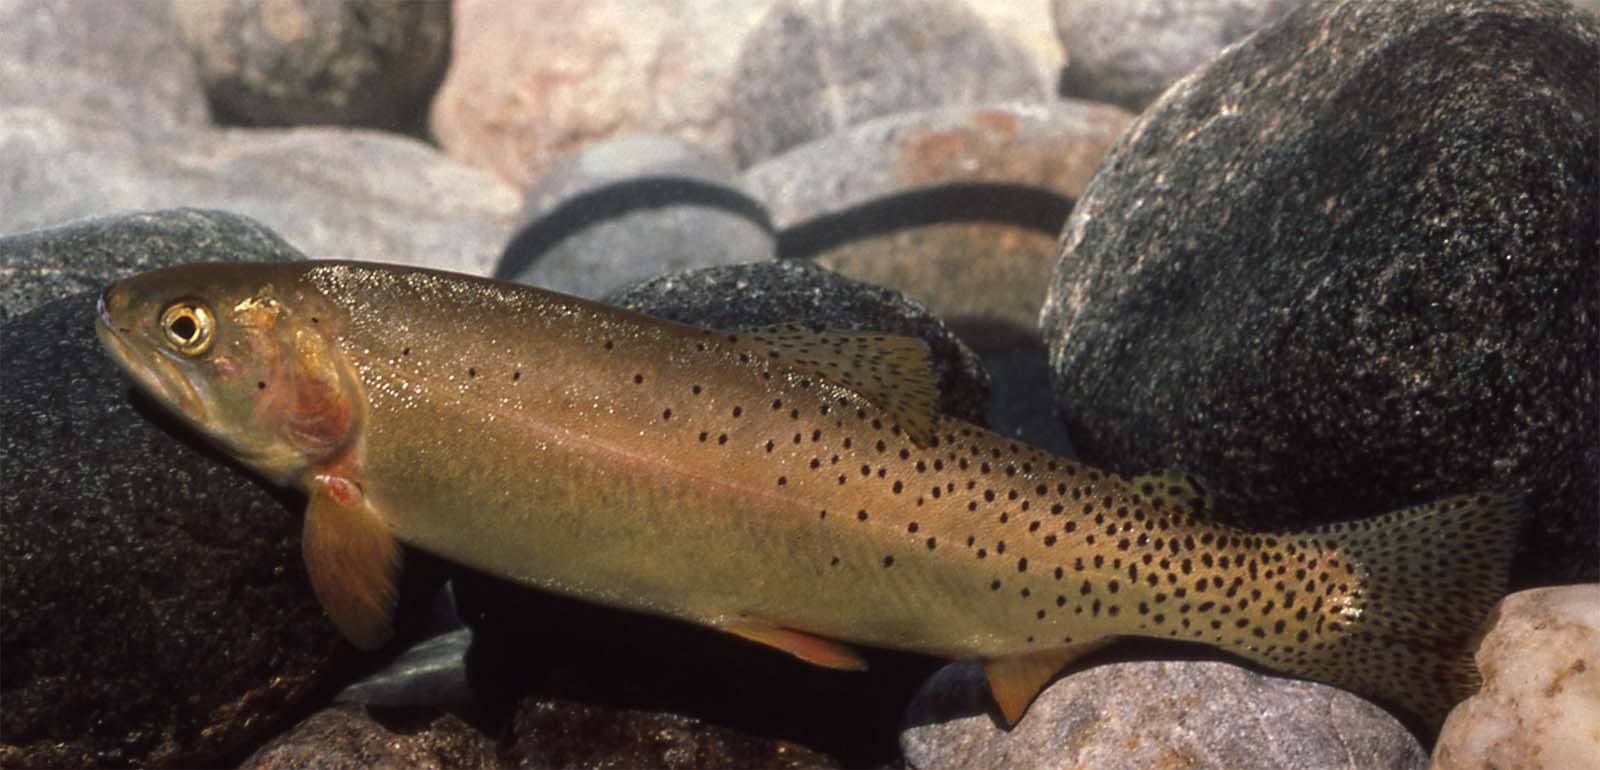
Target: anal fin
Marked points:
352	558
811	649
1016	680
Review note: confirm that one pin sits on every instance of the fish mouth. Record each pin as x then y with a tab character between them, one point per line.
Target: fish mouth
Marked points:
150	367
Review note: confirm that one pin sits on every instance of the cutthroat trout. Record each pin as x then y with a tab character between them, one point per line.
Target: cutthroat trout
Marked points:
791	486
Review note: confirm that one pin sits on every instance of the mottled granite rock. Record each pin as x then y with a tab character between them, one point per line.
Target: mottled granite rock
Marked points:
1171	714
530	83
357	738
630	208
114	65
1350	267
156	611
550	732
1027	23
333	193
959	207
816	66
368	63
1540	702
1127	52
766	294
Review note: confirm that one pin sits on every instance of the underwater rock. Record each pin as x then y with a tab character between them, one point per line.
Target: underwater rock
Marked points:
959	207
816	66
333	193
548	732
115	66
1350	267
1175	714
1540	702
630	208
743	297
530	83
1127	52
368	63
352	737
156	611
1027	23
45	265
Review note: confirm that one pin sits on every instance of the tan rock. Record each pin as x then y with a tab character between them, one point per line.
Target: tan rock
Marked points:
1540	702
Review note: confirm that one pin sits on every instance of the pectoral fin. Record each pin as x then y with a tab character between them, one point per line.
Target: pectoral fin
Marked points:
1015	681
811	649
353	560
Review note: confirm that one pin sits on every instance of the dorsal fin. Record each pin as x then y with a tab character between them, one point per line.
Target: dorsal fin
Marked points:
893	372
1183	490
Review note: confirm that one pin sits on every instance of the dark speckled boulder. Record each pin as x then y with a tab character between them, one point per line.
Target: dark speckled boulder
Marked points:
156	612
1353	265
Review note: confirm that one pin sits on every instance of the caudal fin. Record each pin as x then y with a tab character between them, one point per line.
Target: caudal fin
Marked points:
1430	576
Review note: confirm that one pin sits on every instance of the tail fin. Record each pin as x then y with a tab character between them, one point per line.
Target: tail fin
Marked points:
1430	576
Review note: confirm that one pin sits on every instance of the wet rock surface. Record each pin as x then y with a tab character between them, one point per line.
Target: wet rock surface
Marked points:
1540	700
631	208
1175	714
1343	271
292	62
816	66
353	737
1127	52
156	612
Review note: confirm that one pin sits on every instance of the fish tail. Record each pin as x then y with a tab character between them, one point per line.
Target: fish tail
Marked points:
1428	578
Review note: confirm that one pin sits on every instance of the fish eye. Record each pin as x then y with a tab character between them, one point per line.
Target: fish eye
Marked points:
188	327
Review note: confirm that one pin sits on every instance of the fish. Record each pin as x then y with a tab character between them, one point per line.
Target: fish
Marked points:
792	485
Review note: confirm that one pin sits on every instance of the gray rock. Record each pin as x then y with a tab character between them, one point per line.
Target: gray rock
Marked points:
333	193
46	265
1128	51
751	296
1350	268
371	63
356	738
113	65
631	208
815	66
959	207
156	611
432	673
549	732
1172	714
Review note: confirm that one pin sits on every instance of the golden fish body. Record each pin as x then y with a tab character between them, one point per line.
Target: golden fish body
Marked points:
791	486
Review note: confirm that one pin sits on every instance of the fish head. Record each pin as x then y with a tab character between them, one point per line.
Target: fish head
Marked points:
245	354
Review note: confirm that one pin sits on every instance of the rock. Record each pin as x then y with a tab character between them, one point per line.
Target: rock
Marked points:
47	265
816	66
368	63
959	207
1127	52
1540	700
355	738
1330	301
631	208
1173	714
333	193
751	296
1023	23
432	673
533	82
156	611
116	66
549	732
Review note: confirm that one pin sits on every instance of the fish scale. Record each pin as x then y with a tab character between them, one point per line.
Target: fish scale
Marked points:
791	485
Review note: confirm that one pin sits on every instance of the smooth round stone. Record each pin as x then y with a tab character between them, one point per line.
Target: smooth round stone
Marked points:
1343	270
1540	700
333	193
115	65
318	62
352	737
156	611
632	208
816	66
1127	52
1191	714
